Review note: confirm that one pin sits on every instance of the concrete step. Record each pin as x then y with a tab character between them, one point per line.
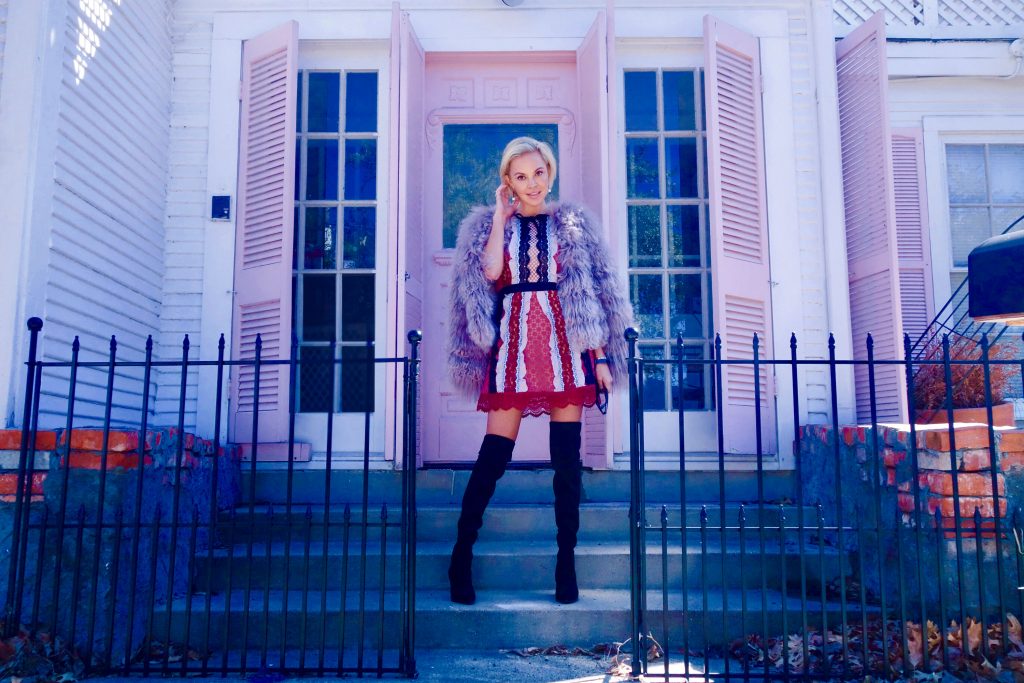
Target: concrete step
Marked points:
599	565
499	619
445	486
502	521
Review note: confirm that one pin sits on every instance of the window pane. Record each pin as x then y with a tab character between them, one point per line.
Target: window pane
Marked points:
644	236
318	307
683	236
361	102
1003	216
322	169
641	167
680	109
321	238
356	379
295	243
966	164
1006	164
681	167
360	169
654	377
324	95
685	305
360	233
298	167
645	293
357	307
641	100
969	228
471	156
694	379
316	379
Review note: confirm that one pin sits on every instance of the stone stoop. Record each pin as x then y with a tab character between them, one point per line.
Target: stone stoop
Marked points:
513	569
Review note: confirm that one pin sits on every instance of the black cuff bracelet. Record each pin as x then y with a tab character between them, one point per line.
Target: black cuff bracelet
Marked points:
601	361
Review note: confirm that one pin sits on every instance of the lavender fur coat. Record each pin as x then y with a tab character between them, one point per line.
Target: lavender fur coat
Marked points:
595	310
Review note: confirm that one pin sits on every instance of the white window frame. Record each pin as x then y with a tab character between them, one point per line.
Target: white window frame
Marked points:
938	132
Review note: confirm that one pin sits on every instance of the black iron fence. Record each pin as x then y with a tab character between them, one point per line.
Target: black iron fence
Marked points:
148	550
895	553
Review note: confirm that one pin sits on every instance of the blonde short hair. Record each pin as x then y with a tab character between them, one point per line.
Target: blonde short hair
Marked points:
525	145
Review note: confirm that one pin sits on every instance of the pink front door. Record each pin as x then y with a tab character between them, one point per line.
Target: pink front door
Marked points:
475	103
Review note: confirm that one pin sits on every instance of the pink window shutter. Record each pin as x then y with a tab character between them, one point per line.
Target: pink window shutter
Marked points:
741	277
263	236
912	243
592	72
871	242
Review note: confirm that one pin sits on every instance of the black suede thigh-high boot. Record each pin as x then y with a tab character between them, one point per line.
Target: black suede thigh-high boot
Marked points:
567	484
495	454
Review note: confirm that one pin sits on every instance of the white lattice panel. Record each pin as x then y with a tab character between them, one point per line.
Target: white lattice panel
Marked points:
950	19
978	13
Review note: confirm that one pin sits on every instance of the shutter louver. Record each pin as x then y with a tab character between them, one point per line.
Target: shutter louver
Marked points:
263	242
912	241
739	232
870	217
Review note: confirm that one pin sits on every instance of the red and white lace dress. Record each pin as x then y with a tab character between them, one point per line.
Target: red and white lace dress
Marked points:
534	366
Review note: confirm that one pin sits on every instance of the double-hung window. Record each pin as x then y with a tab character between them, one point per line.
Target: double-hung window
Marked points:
669	267
336	218
986	195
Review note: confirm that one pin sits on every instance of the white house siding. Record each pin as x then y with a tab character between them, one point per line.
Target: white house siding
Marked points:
813	341
104	274
187	202
3	34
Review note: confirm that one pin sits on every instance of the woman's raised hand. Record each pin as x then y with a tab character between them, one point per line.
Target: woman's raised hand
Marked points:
503	209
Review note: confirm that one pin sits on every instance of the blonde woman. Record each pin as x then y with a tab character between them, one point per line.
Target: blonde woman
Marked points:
537	322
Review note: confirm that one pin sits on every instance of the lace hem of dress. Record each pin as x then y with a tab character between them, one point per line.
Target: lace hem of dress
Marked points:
537	403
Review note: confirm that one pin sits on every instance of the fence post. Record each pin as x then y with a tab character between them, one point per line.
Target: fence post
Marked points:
409	466
11	618
637	580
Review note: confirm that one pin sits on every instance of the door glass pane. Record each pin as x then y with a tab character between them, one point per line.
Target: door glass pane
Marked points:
357	307
680	108
685	305
654	377
471	154
644	237
361	102
966	164
642	168
1006	164
360	169
322	169
318	307
356	379
316	379
645	293
683	236
324	94
681	167
641	100
969	228
694	379
360	237
321	238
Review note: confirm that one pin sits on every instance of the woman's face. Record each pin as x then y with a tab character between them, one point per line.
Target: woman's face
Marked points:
528	178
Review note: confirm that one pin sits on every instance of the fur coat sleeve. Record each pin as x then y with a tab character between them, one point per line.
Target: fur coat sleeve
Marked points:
594	305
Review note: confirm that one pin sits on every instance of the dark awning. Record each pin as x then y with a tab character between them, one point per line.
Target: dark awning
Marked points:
995	272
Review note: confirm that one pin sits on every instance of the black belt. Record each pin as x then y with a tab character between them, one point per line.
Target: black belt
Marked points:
528	287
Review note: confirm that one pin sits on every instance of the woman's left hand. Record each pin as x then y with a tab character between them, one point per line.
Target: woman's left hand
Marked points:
604	377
